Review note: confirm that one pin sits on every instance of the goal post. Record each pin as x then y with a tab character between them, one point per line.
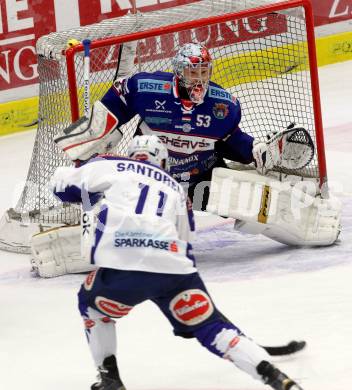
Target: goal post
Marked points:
263	52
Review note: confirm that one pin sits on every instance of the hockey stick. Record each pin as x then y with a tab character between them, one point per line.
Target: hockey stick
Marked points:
87	214
281	350
125	61
86	77
286	349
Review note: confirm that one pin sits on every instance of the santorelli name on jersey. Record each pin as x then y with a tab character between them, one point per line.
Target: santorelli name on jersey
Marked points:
149	171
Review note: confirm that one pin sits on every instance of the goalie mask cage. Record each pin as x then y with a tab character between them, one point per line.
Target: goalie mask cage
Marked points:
263	53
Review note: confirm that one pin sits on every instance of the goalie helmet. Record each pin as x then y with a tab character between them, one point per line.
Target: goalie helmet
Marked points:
148	148
192	66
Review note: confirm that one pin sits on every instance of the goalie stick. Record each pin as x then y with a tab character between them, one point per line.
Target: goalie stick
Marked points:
87	214
286	349
86	77
123	69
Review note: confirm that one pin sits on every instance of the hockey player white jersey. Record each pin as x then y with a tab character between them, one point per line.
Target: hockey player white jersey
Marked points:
145	221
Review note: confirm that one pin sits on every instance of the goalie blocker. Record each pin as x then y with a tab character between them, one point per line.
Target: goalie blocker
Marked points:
88	137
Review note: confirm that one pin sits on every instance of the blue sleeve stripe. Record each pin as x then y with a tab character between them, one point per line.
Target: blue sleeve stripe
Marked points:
189	254
99	230
71	194
190	215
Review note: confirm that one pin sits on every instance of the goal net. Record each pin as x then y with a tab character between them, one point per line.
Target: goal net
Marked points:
264	54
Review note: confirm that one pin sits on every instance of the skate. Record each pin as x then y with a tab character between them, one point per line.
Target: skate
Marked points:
109	376
275	378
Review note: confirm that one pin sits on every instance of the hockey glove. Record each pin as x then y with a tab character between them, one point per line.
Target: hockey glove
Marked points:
291	148
263	159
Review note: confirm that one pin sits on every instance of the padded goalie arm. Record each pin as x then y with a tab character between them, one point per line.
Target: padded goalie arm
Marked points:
279	210
236	147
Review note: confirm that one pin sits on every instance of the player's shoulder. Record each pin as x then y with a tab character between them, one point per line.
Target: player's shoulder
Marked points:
217	92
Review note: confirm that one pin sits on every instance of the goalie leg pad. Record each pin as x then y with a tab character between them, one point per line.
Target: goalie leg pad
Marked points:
88	137
57	252
282	211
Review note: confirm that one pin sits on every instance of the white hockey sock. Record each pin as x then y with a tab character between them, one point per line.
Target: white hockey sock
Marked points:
242	351
101	335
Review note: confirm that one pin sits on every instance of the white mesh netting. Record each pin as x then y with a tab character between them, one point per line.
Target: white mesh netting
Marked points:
263	60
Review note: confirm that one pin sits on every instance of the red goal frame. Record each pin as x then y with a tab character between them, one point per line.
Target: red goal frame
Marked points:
306	4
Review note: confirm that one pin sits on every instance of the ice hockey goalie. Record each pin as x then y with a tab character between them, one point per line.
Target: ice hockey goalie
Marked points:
199	121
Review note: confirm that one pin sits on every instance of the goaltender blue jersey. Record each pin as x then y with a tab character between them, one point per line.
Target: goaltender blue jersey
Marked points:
145	221
197	136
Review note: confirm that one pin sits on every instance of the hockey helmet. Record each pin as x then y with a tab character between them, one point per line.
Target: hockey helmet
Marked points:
148	148
192	65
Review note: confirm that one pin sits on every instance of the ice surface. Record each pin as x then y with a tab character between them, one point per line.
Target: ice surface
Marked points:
274	293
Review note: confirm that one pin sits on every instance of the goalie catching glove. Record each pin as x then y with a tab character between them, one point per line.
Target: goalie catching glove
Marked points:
86	138
291	149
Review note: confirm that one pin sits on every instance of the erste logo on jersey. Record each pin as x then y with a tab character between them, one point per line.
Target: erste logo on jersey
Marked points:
220	93
151	85
191	307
